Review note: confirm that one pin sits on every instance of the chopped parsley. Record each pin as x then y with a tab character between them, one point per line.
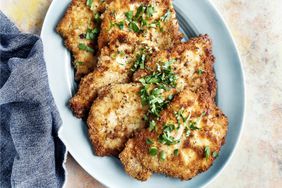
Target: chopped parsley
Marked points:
150	11
149	141
176	152
120	25
166	16
84	47
153	151
180	117
193	126
152	125
89	3
145	117
140	62
200	71
144	22
161	80
187	132
136	22
133	26
162	155
91	33
140	10
78	63
129	15
151	94
207	152
165	137
214	154
97	18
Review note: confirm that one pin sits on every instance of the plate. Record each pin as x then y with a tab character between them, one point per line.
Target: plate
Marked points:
195	17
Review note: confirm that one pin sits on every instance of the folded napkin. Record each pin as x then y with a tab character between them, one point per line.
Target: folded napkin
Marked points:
31	154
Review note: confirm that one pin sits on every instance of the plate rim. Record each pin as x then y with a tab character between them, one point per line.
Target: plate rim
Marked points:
237	52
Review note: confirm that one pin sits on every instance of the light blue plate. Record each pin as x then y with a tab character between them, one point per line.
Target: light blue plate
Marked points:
195	17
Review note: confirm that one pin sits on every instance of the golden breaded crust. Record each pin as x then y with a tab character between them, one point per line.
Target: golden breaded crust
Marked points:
73	27
192	155
163	36
180	53
109	69
131	163
115	116
114	66
193	64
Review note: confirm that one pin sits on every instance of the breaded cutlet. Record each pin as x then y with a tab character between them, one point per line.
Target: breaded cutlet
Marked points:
152	20
109	117
140	42
79	28
115	117
191	61
185	142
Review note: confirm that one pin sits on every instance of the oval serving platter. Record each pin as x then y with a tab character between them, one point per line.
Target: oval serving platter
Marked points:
195	17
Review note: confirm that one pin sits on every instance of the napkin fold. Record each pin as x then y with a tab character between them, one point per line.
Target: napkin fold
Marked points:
31	154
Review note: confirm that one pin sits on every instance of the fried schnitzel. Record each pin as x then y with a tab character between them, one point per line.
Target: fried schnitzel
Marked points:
128	46
108	136
186	140
80	28
115	117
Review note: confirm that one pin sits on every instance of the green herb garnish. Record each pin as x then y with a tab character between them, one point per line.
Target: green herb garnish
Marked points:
187	132
139	63
120	25
97	18
163	79
165	137
144	22
207	152
129	15
193	126
166	16
150	11
89	3
149	141
176	152
140	11
162	155
214	154
152	125
200	71
91	33
137	21
79	63
133	26
153	151
84	47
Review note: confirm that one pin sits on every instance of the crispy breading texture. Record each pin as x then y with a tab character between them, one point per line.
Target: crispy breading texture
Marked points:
110	69
192	63
131	163
193	152
73	27
192	52
114	118
114	66
161	28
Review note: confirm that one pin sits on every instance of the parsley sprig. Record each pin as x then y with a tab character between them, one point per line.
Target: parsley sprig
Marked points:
89	3
140	62
165	137
91	33
84	47
161	80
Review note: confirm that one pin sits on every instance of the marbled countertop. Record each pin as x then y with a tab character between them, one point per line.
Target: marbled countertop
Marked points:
257	29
